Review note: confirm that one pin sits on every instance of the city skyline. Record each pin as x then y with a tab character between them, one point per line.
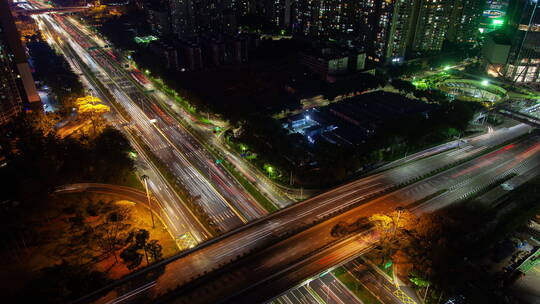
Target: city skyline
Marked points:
287	151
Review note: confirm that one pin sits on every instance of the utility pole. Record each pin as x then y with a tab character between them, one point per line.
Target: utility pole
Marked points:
145	178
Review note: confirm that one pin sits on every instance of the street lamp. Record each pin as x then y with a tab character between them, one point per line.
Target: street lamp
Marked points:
145	179
399	211
270	170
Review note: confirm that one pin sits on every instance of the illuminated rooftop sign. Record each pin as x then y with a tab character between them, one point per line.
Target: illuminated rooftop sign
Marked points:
145	39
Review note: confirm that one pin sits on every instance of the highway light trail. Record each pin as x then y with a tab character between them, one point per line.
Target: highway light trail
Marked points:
266	232
266	237
180	223
169	142
242	204
271	229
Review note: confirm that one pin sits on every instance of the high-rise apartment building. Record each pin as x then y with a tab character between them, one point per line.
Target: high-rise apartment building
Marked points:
304	15
17	87
193	17
10	99
387	29
334	18
401	29
158	14
364	22
209	15
182	17
431	24
465	20
242	7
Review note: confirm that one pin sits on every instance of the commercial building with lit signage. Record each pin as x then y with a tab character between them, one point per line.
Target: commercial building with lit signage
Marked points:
494	15
516	56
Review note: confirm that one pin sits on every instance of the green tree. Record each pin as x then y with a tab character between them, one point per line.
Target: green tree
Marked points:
61	283
403	86
141	239
111	161
154	249
131	257
55	72
109	235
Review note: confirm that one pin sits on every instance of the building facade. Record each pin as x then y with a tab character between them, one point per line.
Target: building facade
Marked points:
401	30
493	15
465	21
17	87
388	30
523	63
182	18
433	19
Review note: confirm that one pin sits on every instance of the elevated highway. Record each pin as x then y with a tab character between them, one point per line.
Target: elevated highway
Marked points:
244	259
521	117
37	11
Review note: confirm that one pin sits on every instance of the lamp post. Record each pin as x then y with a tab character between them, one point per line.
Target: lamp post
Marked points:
145	179
399	211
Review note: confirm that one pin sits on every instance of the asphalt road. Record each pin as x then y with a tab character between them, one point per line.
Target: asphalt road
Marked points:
220	195
365	277
270	260
180	221
153	105
271	229
387	292
325	288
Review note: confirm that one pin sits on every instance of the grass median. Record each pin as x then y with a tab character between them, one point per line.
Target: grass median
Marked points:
355	286
252	190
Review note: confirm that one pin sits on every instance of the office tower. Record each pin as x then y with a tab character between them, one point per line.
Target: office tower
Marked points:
17	88
523	63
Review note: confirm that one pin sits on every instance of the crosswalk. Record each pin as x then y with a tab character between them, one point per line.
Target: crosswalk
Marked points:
403	297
